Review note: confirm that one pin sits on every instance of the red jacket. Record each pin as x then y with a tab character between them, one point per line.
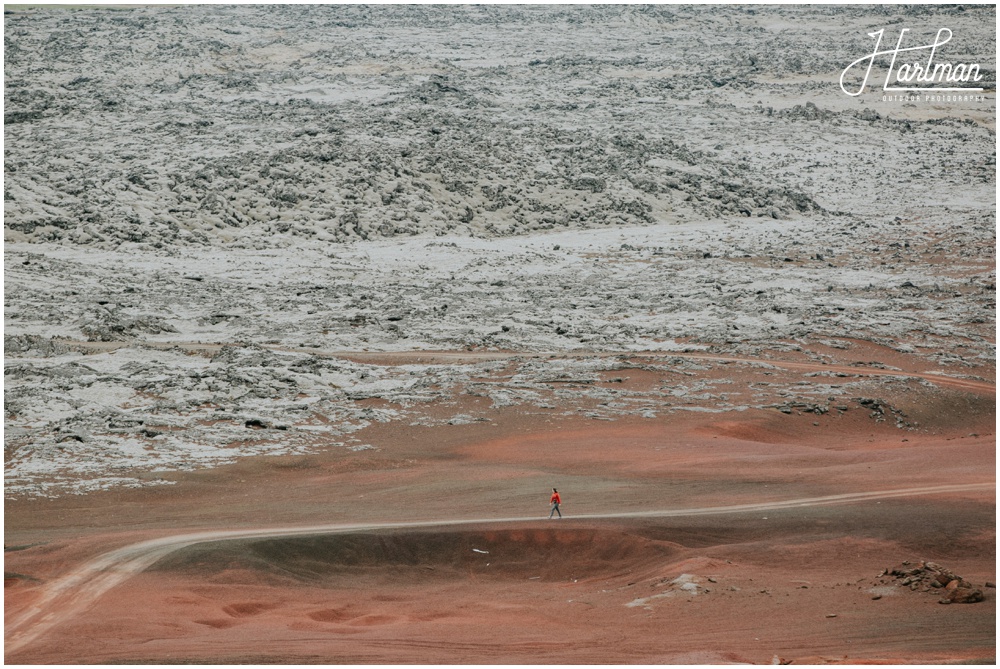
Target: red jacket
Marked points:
555	499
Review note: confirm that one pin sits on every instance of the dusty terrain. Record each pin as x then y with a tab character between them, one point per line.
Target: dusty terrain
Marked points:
307	309
795	581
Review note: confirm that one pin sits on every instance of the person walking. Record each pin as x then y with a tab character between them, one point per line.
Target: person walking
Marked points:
555	501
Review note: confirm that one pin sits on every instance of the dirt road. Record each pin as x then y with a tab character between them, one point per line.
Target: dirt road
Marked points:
72	594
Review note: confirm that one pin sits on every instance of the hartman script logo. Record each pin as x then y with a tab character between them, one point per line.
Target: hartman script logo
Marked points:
923	75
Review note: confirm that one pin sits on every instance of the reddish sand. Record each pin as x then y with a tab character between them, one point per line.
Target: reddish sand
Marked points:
796	584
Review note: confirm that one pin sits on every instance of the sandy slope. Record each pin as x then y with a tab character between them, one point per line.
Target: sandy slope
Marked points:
633	556
66	598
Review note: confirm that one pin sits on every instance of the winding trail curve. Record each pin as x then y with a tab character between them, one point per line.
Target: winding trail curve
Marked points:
70	595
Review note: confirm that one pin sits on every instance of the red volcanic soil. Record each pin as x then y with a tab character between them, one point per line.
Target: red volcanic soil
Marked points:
789	584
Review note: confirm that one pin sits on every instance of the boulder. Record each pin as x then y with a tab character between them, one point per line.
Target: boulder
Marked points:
963	595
